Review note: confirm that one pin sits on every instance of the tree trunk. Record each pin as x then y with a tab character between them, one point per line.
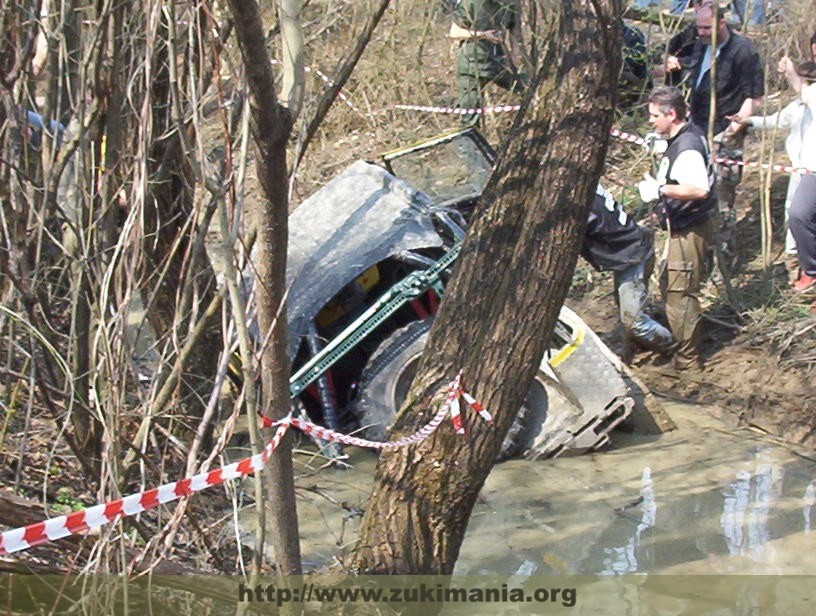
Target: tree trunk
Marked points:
271	127
294	77
495	323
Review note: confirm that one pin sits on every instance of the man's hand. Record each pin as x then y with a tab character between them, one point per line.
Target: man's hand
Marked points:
459	33
649	188
786	67
737	120
673	64
742	118
654	143
493	36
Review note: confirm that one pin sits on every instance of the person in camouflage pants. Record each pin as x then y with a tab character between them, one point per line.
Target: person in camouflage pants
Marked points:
480	27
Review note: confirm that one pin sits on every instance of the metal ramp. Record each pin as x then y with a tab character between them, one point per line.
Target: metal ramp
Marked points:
586	395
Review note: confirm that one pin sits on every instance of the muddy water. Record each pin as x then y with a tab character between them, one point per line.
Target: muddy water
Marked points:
701	500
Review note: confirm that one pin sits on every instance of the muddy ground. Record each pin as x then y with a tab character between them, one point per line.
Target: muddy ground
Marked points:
741	374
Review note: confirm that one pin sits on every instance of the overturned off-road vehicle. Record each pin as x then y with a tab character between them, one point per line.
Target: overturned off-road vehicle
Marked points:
369	257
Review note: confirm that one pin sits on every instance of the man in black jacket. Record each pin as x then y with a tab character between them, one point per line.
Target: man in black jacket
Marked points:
740	78
680	59
684	189
614	242
739	92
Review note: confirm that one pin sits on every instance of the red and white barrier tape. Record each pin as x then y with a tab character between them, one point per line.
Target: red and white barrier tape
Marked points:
56	528
458	111
638	140
340	93
449	407
756	165
630	137
482	411
99	515
452	402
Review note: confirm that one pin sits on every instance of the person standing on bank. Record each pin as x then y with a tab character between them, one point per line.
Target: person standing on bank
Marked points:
802	220
739	92
798	119
684	189
615	242
480	27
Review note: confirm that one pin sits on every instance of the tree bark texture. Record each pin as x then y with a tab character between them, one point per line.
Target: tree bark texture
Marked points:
271	127
503	300
294	78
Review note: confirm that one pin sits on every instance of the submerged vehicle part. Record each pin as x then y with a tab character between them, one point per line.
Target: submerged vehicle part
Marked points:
355	222
588	379
369	258
561	413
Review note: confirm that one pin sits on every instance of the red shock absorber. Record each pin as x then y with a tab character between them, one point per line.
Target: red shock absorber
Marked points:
433	301
416	304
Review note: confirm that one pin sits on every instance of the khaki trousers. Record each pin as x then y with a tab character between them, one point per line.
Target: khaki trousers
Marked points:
688	263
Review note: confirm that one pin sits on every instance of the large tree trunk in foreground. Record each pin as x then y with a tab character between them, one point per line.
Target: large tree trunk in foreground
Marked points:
495	322
271	127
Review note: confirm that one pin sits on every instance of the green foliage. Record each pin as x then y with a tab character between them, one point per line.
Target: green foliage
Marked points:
65	501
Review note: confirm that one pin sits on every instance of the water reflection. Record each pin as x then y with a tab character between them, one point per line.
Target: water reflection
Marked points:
701	500
625	559
810	498
746	505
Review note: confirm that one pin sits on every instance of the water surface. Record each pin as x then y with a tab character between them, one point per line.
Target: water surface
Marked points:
703	499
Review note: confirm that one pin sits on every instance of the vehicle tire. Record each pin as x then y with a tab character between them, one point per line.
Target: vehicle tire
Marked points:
531	416
387	376
392	367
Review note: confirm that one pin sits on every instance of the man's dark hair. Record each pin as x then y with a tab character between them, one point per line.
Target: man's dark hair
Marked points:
667	98
807	70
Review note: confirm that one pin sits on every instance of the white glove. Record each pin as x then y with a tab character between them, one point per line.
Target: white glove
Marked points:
655	144
649	188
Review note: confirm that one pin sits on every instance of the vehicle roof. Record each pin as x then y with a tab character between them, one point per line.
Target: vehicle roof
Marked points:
358	219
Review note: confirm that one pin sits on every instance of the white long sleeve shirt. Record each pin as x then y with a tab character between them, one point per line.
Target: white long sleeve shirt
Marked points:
808	153
797	118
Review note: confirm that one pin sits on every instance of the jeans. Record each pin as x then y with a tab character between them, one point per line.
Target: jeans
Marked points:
802	223
793	184
757	12
678	6
632	295
645	4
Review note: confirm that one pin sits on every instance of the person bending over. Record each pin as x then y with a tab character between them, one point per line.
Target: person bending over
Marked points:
615	242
